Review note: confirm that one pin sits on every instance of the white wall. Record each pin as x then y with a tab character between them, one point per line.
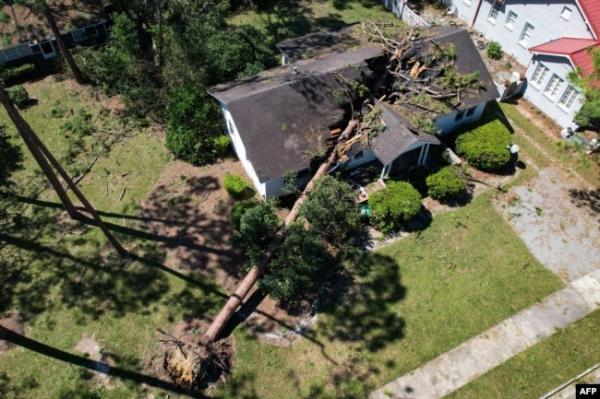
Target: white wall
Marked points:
448	123
544	15
368	156
465	9
536	94
240	151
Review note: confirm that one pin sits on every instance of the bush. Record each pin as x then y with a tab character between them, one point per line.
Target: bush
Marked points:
446	184
486	147
80	124
19	73
222	145
494	50
18	95
238	211
394	206
236	186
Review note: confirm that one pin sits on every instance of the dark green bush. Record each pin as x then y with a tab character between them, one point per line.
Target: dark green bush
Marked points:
18	95
257	227
494	50
486	147
447	183
238	211
19	73
394	206
236	186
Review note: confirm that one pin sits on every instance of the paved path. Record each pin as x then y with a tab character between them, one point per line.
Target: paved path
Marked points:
475	357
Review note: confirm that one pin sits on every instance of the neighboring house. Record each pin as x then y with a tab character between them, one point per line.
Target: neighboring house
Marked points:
47	48
551	38
282	119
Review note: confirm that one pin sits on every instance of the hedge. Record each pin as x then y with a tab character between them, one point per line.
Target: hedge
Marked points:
238	211
19	73
394	206
486	147
18	95
447	183
236	186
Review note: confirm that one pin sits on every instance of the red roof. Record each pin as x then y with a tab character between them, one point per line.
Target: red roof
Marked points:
584	59
564	46
591	10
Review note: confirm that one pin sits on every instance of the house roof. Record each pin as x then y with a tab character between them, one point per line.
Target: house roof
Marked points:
316	43
284	115
396	138
591	11
578	51
468	60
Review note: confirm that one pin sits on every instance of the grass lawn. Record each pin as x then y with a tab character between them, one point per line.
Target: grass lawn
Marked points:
588	168
424	295
544	366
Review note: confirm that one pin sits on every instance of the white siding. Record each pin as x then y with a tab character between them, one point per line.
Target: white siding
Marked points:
544	16
367	156
538	96
240	151
448	123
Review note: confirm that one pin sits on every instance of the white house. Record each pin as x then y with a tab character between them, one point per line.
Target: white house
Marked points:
284	119
550	37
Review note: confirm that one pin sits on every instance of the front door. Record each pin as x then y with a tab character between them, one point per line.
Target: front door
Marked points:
48	50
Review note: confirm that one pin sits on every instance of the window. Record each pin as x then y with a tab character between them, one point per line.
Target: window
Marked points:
459	115
511	18
471	111
539	75
78	35
568	97
554	86
493	14
566	13
526	34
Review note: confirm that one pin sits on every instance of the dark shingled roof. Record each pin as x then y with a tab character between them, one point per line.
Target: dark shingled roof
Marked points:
468	60
396	139
317	43
283	117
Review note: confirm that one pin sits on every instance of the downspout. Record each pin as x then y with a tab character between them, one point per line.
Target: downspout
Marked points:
476	13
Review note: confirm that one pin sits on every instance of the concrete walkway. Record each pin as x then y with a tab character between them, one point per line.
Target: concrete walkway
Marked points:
475	357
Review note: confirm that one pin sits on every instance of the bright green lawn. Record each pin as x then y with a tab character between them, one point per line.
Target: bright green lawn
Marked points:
544	366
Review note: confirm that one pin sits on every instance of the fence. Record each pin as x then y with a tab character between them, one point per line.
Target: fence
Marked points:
403	11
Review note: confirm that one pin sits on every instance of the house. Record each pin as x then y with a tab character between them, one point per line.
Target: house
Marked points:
550	38
27	37
285	118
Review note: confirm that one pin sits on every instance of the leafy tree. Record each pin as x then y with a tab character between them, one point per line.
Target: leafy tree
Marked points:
298	265
589	114
331	210
257	227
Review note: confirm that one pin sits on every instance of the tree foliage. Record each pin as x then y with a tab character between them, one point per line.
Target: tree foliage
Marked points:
257	227
394	206
331	210
297	266
588	115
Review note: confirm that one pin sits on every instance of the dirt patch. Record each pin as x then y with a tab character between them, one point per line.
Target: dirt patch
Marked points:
536	116
92	350
14	322
560	229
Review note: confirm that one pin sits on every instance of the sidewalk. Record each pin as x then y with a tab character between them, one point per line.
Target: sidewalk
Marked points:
475	357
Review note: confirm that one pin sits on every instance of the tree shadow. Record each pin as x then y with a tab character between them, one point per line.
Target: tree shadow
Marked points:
360	306
11	157
588	199
96	366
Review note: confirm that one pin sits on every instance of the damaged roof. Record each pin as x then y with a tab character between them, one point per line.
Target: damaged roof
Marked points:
284	115
396	138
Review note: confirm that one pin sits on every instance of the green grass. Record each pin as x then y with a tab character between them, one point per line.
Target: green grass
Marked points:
587	167
432	291
544	366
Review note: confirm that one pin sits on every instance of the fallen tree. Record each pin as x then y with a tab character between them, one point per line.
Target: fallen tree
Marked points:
257	271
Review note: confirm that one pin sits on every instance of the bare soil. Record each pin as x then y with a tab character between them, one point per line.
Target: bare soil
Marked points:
89	347
14	322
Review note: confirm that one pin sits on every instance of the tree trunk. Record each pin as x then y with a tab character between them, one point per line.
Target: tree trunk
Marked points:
42	156
77	74
257	271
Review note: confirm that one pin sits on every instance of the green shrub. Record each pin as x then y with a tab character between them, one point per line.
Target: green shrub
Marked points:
238	210
447	183
236	186
11	75
258	225
222	145
486	147
494	50
394	206
18	95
